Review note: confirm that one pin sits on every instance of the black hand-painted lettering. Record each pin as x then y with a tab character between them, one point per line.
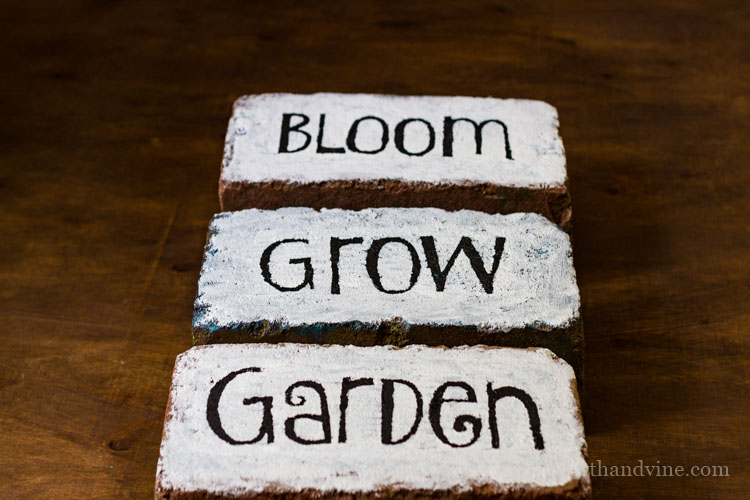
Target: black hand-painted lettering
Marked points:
323	417
495	395
399	137
347	385
214	419
321	147
336	244
287	128
265	260
387	407
351	138
465	245
461	422
373	256
448	135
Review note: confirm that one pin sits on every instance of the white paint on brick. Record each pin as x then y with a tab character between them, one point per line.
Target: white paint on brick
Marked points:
534	285
252	141
194	458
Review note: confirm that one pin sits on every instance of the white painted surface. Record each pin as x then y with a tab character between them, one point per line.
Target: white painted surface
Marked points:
252	142
535	283
194	458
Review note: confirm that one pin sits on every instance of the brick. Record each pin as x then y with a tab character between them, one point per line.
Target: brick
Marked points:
357	151
295	420
389	276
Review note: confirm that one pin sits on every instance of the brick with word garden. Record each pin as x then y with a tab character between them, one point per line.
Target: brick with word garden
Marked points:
300	420
389	276
359	151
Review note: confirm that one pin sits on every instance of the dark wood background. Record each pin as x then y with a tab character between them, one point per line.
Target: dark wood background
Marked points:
113	119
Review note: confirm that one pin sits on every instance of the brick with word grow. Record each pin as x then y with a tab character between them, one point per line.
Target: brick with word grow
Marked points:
389	276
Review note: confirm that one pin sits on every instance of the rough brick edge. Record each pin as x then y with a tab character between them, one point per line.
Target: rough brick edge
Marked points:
552	203
574	490
567	343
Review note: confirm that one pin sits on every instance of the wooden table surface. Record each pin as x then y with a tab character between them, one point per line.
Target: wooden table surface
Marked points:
113	120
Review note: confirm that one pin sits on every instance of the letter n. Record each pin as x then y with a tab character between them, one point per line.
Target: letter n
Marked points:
495	395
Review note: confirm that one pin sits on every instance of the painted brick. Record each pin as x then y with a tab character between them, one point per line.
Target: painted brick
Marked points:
296	420
357	151
389	276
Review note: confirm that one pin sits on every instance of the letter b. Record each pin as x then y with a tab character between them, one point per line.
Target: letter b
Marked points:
287	128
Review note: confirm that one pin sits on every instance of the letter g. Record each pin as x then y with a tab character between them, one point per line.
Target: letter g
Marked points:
265	270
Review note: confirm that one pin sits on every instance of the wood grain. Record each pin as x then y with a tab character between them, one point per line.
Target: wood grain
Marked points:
113	121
